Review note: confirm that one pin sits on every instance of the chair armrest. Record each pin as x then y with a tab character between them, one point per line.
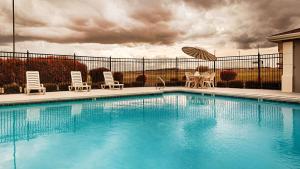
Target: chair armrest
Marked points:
117	82
42	85
85	83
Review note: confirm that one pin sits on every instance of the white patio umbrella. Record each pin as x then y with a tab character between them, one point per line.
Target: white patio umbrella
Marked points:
199	53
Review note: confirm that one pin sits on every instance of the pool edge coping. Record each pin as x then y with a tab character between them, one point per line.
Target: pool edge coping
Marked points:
259	97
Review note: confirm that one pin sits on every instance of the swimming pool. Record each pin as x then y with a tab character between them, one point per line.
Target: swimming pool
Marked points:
165	131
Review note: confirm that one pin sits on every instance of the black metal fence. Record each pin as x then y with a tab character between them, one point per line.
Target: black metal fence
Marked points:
253	71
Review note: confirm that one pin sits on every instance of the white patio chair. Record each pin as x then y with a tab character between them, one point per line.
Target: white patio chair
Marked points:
77	83
110	82
188	80
33	82
160	81
209	80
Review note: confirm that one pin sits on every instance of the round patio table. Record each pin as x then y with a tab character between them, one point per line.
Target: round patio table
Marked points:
198	80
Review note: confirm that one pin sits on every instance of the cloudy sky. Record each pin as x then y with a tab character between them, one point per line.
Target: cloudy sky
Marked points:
137	28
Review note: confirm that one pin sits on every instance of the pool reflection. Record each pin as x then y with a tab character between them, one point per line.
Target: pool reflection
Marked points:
200	113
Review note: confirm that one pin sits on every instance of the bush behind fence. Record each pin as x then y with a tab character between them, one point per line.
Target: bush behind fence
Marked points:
252	71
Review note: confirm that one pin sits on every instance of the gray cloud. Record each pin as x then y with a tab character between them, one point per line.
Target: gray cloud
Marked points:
209	4
153	28
266	18
150	22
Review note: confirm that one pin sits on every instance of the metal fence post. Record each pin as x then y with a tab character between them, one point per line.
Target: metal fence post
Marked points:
143	70
110	63
259	70
74	62
27	60
177	71
215	72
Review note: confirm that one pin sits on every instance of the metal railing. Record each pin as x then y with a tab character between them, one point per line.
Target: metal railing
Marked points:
253	71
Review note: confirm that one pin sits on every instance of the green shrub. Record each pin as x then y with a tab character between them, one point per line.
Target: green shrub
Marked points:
128	84
228	75
221	84
252	85
271	85
140	80
52	69
11	88
50	87
12	71
118	76
96	85
1	79
97	74
236	84
264	85
56	70
63	86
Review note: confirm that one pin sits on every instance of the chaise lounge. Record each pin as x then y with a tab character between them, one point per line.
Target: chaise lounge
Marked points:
77	84
33	82
110	82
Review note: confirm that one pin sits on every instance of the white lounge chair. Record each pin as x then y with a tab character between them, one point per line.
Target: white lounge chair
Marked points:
77	83
110	82
33	82
209	80
188	80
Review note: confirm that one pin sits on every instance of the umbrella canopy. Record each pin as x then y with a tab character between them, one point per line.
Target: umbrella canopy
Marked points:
199	53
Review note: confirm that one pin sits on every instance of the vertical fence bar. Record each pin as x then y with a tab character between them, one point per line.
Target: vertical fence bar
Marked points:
143	70
259	70
74	61
177	71
27	60
110	63
214	72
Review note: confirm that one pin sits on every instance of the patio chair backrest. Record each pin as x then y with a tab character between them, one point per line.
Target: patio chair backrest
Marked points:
212	76
206	75
76	78
188	75
33	80
108	78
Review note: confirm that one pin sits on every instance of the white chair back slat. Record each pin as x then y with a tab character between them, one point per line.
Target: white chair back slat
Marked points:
188	76
108	77
33	79
212	76
76	78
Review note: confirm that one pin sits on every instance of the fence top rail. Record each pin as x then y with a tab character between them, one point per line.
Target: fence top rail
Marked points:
222	58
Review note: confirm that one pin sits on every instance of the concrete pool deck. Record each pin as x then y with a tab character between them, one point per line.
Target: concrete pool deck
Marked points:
273	95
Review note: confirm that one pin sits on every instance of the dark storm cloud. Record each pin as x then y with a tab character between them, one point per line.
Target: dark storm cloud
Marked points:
151	35
264	18
267	18
209	4
151	22
153	28
153	15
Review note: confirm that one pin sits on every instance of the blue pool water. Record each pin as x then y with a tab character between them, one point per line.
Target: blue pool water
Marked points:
169	131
